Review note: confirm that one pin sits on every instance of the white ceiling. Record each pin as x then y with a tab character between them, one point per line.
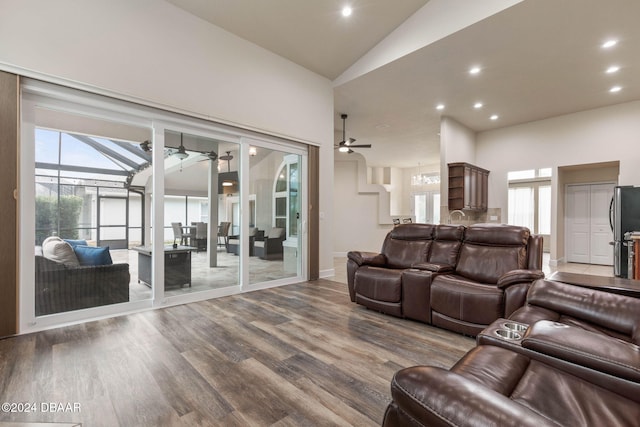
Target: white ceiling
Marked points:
539	59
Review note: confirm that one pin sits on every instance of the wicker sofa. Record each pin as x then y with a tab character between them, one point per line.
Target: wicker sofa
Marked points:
61	288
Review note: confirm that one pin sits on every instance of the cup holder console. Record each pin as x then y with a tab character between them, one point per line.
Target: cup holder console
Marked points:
509	330
508	334
512	326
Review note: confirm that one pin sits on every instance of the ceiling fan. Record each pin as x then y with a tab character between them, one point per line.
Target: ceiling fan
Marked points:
181	153
211	155
346	145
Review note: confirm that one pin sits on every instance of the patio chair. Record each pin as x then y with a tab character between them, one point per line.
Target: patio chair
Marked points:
270	246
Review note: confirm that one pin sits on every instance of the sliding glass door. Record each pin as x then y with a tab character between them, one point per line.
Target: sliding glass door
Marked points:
200	177
131	208
275	238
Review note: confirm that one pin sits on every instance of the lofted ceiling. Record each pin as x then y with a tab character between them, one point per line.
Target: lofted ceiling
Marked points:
538	59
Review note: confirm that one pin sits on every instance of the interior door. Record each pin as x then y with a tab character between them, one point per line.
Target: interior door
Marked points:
577	223
587	224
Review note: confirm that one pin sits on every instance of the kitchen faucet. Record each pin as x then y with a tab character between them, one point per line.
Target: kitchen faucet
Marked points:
462	214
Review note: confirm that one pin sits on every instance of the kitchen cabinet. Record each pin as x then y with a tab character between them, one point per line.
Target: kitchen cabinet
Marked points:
468	187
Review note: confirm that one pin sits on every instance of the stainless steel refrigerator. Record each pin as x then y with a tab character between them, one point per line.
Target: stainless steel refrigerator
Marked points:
624	217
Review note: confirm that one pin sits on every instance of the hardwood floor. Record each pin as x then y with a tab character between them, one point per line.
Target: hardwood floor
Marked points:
297	355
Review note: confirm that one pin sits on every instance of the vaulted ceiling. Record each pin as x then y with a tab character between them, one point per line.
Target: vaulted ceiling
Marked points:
537	59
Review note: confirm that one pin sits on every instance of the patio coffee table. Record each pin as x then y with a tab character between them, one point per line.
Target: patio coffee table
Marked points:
177	265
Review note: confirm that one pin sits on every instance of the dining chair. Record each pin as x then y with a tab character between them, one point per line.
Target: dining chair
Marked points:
223	233
177	232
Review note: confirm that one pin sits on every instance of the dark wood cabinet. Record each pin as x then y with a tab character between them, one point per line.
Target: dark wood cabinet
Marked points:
468	187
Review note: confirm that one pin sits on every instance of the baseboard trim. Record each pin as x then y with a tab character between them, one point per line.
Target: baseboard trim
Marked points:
327	273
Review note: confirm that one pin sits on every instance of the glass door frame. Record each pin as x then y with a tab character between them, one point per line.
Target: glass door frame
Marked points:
160	127
37	94
302	268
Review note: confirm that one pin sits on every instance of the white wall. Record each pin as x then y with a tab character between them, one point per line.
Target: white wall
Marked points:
356	215
151	51
593	136
457	144
609	134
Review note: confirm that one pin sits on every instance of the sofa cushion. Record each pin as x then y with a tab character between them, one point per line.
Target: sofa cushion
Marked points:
93	255
382	284
615	312
56	249
466	300
275	233
497	235
487	264
75	242
560	397
408	244
405	253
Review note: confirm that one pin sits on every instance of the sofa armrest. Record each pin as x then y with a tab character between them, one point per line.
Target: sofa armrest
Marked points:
435	396
367	258
586	348
518	276
433	266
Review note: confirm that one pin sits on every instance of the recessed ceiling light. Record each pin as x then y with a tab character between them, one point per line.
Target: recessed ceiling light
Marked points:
346	11
440	107
613	69
477	105
609	43
615	89
474	70
494	117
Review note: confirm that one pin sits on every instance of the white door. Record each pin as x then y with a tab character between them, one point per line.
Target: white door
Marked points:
577	223
587	224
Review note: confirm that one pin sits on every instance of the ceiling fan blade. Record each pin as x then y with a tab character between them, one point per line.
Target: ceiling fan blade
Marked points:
360	146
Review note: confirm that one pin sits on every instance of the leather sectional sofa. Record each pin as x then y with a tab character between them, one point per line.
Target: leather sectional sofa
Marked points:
459	278
574	360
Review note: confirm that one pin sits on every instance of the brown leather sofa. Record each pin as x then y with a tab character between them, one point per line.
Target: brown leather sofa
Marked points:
575	363
454	277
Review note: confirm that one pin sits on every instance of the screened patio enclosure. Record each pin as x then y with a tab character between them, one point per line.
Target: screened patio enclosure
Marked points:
84	189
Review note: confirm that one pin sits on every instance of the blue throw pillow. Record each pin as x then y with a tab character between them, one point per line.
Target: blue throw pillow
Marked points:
93	255
75	243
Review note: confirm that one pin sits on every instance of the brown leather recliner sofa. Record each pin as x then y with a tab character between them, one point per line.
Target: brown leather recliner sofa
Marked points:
459	278
575	363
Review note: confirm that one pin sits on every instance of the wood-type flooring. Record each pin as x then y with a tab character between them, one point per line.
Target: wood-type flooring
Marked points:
297	355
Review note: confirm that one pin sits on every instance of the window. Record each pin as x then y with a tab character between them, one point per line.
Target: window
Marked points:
426	207
529	202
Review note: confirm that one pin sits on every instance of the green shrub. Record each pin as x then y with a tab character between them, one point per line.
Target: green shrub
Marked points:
53	219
